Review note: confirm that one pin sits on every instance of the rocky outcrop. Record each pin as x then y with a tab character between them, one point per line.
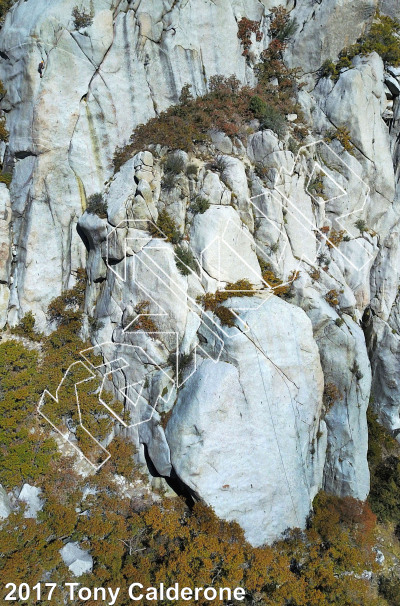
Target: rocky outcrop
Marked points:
30	495
254	417
5	252
77	559
267	391
5	505
325	28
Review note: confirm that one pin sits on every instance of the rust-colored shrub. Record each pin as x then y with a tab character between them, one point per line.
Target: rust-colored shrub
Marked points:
332	297
245	28
335	238
143	321
213	301
331	395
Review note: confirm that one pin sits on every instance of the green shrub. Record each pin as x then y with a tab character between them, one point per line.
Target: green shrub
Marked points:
4	134
382	38
5	6
332	70
26	328
389	588
6	178
385	491
97	206
384	463
185	260
174	164
269	116
329	70
274	120
218	164
168	181
380	441
192	170
26	451
344	63
67	309
258	106
168	228
282	26
200	205
82	19
361	225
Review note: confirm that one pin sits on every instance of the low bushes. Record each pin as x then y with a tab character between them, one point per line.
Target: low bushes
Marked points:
332	297
67	309
384	462
144	321
166	227
361	225
6	178
81	18
383	38
4	134
227	106
26	328
389	588
341	134
96	206
199	205
269	116
213	301
246	27
276	284
335	238
185	260
174	164
282	27
5	6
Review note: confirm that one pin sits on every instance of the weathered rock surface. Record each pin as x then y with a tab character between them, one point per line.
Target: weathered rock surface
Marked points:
5	505
269	395
77	559
251	432
5	252
30	495
326	28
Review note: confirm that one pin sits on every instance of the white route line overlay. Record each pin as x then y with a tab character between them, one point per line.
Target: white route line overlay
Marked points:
122	390
311	228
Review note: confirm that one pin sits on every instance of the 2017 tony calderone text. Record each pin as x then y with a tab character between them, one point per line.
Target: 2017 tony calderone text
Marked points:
109	595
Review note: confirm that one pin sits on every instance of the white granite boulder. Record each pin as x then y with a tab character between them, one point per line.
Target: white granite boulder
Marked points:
77	559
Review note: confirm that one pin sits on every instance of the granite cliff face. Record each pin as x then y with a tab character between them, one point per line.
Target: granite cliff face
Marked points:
243	422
